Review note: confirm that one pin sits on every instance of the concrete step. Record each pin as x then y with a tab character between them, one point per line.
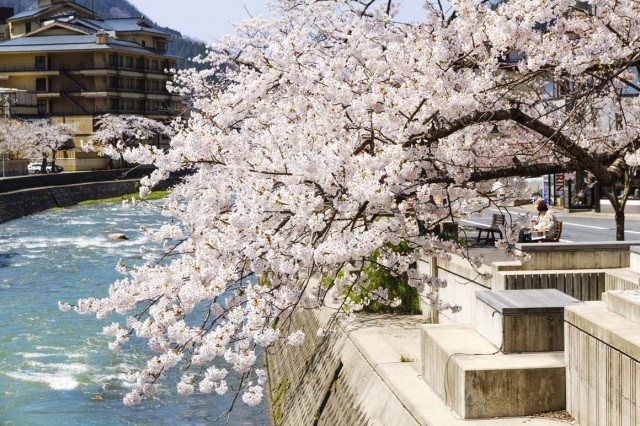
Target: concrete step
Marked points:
634	259
625	303
517	321
603	372
478	381
621	279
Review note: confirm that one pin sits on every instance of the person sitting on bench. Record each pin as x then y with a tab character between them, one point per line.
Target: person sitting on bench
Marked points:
546	222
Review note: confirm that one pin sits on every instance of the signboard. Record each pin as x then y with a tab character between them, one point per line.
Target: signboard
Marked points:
545	189
560	182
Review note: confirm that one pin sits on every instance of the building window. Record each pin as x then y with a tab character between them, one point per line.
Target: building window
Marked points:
144	43
27	27
154	65
41	62
115	104
161	45
129	62
131	104
42	107
116	60
41	84
115	83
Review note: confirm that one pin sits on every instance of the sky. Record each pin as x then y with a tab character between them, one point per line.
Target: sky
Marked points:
207	20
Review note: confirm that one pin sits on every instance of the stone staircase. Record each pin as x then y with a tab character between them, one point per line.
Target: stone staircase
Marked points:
510	363
603	349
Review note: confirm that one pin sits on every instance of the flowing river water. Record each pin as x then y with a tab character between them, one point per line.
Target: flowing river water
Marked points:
55	367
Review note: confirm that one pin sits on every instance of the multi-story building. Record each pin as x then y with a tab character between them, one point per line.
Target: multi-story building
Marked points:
71	66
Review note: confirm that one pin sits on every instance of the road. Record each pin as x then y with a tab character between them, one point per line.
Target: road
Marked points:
576	227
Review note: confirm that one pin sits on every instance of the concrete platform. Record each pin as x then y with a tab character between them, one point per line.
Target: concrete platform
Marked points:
477	381
516	321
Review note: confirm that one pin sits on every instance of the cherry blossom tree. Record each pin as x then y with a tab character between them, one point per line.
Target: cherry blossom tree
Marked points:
10	137
119	134
339	132
43	138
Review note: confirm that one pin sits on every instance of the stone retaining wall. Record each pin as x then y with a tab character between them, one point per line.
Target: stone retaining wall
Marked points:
329	381
23	203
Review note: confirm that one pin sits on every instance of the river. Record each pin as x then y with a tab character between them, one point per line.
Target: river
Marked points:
55	367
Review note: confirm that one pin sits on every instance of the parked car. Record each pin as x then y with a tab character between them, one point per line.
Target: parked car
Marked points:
57	170
36	167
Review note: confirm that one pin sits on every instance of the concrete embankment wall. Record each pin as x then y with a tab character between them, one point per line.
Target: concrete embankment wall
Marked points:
70	178
14	205
330	381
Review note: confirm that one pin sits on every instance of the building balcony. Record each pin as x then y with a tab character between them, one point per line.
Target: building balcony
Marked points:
71	111
77	66
103	88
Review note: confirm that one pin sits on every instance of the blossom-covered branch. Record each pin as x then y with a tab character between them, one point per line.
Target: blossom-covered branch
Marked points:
331	140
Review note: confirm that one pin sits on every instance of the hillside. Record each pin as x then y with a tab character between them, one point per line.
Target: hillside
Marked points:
182	46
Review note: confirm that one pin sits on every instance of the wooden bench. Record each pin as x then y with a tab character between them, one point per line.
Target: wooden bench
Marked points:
490	231
555	237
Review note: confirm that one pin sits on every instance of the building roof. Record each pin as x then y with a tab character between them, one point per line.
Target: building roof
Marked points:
121	25
31	13
65	43
28	13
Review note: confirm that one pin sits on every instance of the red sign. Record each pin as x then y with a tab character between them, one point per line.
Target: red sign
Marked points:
560	182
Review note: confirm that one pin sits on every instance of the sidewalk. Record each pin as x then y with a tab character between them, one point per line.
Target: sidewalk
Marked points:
560	212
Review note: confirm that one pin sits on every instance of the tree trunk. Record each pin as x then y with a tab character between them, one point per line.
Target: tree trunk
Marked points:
618	209
620	225
43	165
53	161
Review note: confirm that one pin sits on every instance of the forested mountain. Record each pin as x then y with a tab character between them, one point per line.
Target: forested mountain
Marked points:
182	46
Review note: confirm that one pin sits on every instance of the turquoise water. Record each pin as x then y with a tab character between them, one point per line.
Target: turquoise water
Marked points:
55	367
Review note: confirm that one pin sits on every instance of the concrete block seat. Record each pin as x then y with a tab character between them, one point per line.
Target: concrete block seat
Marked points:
478	381
523	320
